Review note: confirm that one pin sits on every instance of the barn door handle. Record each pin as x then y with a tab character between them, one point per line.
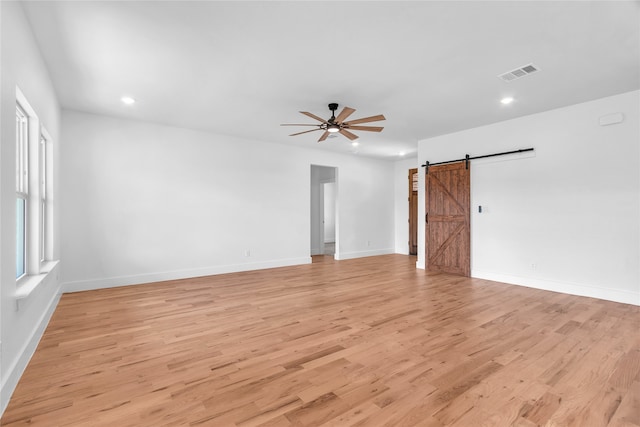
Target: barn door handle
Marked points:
426	218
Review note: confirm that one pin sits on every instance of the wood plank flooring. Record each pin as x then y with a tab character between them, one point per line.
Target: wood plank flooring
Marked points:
365	342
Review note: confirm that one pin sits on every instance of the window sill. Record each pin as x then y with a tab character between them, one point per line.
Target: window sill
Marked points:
26	285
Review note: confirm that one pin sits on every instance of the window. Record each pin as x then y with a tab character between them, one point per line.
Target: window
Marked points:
45	177
22	189
42	159
34	178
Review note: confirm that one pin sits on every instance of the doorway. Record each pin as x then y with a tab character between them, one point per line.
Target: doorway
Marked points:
329	219
413	211
324	224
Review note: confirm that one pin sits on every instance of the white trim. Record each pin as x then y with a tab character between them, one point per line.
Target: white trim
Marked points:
29	283
609	294
17	368
362	254
112	282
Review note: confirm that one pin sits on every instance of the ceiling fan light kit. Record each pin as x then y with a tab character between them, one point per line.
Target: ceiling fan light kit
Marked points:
338	124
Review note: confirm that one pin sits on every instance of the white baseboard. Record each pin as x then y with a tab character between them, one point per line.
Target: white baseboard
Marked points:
609	294
15	371
112	282
362	254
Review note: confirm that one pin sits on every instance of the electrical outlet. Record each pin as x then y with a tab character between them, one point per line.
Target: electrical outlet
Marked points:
247	253
368	242
534	266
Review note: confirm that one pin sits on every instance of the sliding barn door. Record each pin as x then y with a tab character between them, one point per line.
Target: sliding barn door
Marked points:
447	191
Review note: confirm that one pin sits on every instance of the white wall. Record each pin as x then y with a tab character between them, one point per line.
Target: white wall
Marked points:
22	66
565	218
143	202
401	195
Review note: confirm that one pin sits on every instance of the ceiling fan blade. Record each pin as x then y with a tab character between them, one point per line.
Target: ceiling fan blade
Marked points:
367	128
346	112
348	134
366	120
297	124
306	131
324	136
313	116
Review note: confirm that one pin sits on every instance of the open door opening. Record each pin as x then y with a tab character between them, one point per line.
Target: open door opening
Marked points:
413	211
329	219
324	224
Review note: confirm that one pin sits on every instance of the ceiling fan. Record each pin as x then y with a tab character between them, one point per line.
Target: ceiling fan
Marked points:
338	124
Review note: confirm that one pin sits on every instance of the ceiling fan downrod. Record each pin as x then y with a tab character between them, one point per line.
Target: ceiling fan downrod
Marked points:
332	126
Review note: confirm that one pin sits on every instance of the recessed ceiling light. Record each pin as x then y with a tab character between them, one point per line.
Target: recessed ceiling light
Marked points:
128	100
506	100
355	143
402	153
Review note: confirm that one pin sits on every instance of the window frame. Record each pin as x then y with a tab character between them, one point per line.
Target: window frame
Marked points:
45	178
42	177
35	187
23	122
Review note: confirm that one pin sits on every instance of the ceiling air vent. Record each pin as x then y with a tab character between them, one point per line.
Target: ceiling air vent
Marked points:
518	73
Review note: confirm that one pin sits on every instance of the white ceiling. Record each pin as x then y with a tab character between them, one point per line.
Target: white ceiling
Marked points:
242	68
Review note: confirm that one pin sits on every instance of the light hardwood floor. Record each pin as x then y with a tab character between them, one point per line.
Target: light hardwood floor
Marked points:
365	342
